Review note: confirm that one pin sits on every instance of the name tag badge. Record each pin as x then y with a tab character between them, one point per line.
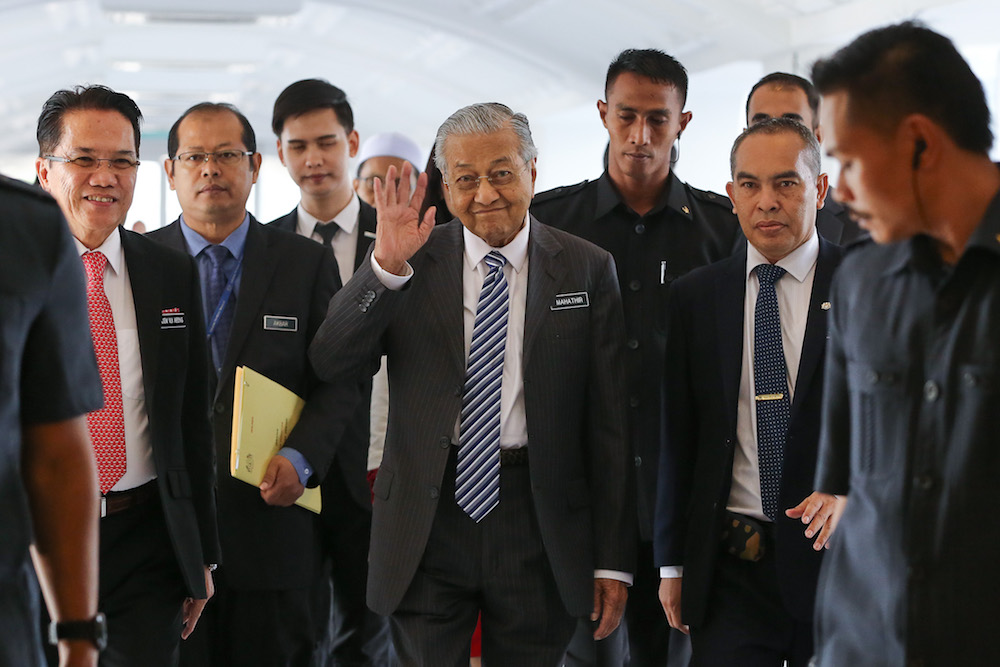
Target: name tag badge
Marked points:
571	300
280	323
172	318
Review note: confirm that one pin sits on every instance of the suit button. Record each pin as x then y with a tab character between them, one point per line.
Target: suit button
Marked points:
924	482
633	344
638	462
635	285
444	442
970	379
872	377
459	391
363	308
434	492
633	402
220	407
640	228
931	391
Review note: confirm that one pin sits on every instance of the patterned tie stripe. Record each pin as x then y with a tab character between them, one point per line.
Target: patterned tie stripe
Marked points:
107	425
477	483
771	387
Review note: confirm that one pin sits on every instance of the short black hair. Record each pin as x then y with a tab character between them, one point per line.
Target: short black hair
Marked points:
907	68
308	95
789	80
248	137
102	98
652	64
773	126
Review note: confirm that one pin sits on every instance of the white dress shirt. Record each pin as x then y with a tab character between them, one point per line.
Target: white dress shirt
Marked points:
139	466
345	241
794	291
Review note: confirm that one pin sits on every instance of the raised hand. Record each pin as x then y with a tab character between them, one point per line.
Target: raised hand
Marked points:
400	231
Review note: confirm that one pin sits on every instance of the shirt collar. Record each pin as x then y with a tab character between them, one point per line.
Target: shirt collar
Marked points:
235	242
347	219
515	252
797	263
111	248
673	196
987	234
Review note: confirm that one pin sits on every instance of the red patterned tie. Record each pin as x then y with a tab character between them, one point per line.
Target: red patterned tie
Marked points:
107	425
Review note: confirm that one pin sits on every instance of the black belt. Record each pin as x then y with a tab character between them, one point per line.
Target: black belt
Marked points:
118	501
514	457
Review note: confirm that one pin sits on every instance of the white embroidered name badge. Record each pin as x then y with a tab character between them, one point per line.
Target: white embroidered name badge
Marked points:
172	318
571	300
281	323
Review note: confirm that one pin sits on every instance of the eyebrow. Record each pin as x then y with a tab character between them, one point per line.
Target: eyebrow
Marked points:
499	160
747	176
625	107
83	149
325	137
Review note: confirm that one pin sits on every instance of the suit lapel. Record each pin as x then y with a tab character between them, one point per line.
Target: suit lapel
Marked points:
258	268
544	274
729	307
444	284
366	223
814	342
144	279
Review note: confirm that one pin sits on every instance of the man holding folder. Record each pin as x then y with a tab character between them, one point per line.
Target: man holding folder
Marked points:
265	294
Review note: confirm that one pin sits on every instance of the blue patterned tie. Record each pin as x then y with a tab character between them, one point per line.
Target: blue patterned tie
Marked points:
477	477
217	280
770	379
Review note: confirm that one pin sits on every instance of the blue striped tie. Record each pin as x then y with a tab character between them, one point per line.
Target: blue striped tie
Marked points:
770	379
477	477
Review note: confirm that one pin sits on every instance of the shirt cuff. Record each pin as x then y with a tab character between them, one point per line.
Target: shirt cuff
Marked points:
391	280
671	571
623	577
299	462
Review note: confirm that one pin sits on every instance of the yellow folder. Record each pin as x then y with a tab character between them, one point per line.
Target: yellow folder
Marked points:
264	413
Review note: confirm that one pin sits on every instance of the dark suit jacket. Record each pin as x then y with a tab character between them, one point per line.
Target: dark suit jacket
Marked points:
175	382
351	461
269	547
580	463
702	377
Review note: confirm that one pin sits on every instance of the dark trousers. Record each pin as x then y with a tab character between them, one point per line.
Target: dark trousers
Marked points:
253	628
747	623
351	634
141	589
497	566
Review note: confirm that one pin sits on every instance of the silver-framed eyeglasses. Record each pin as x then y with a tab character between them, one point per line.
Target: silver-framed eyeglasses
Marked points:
194	159
498	179
89	162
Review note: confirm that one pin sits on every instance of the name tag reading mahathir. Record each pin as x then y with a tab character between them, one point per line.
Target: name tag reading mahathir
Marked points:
571	300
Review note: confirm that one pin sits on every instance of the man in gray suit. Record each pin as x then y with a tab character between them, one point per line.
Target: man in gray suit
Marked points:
504	487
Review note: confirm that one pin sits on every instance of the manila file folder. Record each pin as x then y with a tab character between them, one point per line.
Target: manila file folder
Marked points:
264	413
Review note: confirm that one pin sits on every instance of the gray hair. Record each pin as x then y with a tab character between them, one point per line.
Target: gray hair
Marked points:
777	126
484	118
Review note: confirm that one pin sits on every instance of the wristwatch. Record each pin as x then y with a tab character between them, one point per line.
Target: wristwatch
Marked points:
94	630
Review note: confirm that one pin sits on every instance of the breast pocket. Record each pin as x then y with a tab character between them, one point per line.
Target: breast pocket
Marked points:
879	418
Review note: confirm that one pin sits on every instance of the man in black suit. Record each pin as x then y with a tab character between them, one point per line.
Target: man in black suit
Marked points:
743	384
658	228
527	518
314	123
265	294
48	475
783	95
153	441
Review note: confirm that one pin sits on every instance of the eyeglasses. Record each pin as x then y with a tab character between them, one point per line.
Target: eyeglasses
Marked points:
497	179
87	162
194	159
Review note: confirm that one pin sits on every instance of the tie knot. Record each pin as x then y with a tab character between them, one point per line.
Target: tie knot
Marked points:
495	260
217	254
768	274
327	230
93	264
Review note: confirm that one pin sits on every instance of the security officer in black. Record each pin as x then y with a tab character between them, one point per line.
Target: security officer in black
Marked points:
658	228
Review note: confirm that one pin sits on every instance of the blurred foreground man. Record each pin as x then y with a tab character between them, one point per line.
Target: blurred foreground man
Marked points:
910	416
152	439
48	477
744	381
504	483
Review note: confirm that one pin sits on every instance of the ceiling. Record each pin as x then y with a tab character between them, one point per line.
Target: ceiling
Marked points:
405	65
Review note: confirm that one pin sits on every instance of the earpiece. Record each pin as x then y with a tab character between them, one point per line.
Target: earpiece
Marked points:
919	146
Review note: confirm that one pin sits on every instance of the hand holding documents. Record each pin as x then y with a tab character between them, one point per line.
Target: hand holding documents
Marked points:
264	413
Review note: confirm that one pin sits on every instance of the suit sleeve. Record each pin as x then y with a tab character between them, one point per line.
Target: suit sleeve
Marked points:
330	405
611	458
678	438
199	452
834	460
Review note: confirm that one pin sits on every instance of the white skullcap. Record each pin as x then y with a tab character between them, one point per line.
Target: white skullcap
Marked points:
391	144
